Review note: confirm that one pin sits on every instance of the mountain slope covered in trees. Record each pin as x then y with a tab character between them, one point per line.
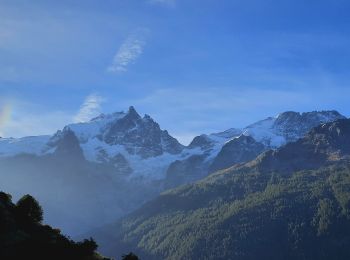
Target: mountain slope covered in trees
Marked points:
293	203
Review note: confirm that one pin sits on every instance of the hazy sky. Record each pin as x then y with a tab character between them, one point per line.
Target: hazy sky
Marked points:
196	66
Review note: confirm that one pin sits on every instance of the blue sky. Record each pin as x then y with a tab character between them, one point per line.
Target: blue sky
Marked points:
196	66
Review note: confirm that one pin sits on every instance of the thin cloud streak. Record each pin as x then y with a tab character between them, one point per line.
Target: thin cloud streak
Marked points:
89	109
129	51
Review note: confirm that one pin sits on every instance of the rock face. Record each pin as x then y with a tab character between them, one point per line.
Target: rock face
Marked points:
140	136
135	145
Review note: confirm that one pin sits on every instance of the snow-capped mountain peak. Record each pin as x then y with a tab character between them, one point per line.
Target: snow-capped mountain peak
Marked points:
219	150
144	149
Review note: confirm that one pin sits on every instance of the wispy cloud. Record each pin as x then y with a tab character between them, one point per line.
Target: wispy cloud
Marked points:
164	2
129	51
89	109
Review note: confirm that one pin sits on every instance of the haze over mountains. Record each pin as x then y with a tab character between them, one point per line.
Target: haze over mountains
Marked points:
105	168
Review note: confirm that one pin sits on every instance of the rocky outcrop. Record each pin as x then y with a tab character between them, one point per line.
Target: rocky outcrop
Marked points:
141	136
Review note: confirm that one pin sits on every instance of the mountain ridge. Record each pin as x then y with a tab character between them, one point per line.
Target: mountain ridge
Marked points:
272	132
148	151
82	166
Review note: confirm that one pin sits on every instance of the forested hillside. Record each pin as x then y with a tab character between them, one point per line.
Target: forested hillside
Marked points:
293	203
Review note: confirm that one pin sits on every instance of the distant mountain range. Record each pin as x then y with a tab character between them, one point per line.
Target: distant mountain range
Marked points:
288	203
137	145
113	164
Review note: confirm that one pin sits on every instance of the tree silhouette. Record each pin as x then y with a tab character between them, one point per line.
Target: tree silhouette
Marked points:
22	236
130	256
28	207
5	198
